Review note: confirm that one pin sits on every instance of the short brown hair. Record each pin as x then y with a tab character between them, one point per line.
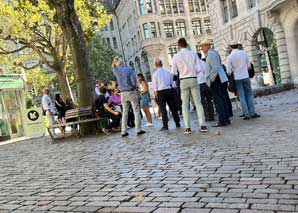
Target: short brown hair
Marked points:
182	42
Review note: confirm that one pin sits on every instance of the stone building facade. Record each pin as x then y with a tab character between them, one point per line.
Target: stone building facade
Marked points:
142	30
268	30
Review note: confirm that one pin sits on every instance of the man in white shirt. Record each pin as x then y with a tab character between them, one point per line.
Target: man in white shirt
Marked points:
187	63
163	87
206	93
48	106
238	63
97	88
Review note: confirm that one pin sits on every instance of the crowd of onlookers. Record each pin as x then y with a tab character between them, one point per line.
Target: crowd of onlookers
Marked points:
203	82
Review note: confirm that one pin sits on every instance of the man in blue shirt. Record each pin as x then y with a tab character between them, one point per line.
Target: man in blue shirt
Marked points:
127	84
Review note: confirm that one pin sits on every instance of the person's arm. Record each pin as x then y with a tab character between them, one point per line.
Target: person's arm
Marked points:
174	68
133	78
154	85
97	91
197	64
106	106
248	62
229	66
146	88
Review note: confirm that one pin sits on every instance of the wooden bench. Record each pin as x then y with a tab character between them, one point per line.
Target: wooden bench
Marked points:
81	115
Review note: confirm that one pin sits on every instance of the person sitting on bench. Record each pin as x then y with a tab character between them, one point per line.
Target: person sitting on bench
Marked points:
103	110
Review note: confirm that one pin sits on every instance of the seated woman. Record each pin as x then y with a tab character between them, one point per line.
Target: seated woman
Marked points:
61	109
104	110
115	101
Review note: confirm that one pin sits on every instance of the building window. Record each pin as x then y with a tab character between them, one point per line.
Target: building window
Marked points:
190	4
172	50
181	28
196	27
225	10
149	6
146	30
234	8
168	6
207	26
169	29
196	5
153	29
131	65
175	6
251	3
112	25
181	6
162	7
203	6
138	65
115	43
142	7
109	42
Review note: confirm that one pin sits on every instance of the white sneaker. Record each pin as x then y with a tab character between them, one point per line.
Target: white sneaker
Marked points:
149	124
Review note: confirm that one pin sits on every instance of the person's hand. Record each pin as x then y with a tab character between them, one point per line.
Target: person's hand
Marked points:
116	113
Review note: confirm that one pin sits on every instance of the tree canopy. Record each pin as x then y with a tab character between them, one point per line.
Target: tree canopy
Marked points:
30	28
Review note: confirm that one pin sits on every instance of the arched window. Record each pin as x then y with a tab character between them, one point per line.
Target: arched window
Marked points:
146	71
131	65
181	28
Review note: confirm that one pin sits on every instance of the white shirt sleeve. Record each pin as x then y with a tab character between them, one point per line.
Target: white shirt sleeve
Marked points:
174	69
197	64
154	83
229	66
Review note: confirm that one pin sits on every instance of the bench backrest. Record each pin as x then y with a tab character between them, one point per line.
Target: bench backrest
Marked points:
78	112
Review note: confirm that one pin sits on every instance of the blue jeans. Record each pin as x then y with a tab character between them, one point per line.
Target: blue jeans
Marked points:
246	96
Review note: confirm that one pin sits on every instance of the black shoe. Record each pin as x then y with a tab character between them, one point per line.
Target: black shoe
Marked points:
255	116
125	135
141	132
246	118
204	129
178	125
187	131
220	125
242	116
164	129
228	122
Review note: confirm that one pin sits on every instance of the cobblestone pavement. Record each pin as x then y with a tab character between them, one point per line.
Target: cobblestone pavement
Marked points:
252	167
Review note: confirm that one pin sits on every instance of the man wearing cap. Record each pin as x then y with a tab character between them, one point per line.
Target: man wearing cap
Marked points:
188	64
215	76
238	63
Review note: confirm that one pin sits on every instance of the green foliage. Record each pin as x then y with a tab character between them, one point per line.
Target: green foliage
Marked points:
29	103
100	60
37	79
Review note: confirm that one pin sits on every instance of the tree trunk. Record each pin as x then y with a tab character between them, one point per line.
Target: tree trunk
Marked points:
70	24
72	29
64	84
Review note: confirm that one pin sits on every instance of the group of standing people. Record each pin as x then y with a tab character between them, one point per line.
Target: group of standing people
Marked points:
204	82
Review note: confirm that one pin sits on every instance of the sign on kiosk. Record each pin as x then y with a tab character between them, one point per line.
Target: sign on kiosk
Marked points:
34	123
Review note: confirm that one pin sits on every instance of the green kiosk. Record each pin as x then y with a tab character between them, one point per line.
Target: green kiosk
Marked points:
12	105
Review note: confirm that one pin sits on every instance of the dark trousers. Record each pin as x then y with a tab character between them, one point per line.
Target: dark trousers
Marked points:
165	97
228	100
220	101
207	101
115	120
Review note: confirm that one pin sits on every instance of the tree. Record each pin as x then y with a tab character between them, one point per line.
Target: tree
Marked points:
100	60
31	25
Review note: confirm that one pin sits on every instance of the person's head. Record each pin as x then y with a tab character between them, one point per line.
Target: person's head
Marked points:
205	45
158	63
46	91
199	55
103	90
115	92
234	45
140	77
229	50
182	43
117	62
98	83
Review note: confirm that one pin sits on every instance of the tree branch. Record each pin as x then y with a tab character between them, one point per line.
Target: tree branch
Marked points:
7	52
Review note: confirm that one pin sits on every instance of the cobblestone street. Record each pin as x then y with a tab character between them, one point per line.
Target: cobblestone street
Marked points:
252	167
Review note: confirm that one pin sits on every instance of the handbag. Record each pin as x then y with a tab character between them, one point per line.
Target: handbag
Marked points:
251	71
